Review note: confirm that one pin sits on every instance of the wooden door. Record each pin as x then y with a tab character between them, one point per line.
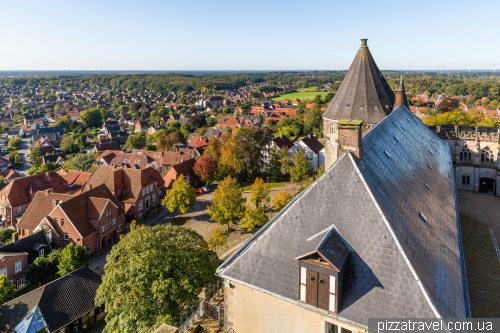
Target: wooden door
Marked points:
312	288
323	288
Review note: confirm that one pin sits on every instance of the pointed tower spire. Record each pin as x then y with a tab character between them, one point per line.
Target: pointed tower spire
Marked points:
400	93
364	96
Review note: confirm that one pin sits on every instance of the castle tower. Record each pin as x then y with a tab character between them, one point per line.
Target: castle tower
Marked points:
364	96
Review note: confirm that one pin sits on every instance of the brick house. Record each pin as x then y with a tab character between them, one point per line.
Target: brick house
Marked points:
184	168
18	255
138	190
88	219
141	125
18	194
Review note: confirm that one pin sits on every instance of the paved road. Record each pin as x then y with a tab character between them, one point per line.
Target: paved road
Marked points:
24	151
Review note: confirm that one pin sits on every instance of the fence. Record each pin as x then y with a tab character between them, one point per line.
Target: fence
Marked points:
203	308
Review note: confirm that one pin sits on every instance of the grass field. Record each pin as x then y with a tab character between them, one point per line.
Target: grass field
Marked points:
302	94
483	269
247	186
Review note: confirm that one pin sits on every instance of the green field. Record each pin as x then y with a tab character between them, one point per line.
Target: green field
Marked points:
302	94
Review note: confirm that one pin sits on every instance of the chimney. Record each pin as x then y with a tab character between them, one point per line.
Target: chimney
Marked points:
350	134
55	203
90	186
15	237
47	191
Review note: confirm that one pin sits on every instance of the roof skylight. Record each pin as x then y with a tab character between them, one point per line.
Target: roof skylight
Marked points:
386	153
395	137
422	216
427	186
429	166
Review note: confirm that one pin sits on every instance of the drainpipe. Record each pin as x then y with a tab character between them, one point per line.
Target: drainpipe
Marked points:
97	238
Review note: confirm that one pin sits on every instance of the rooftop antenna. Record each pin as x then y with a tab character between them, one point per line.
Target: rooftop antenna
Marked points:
441	68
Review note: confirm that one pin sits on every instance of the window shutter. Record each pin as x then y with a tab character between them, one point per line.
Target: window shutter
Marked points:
312	288
323	288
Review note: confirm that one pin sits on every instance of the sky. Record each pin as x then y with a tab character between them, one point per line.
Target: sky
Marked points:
246	35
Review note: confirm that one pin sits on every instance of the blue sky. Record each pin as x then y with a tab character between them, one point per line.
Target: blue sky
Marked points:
246	35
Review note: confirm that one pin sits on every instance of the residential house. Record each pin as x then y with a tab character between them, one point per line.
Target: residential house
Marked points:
18	194
92	219
14	133
4	163
282	142
140	125
213	132
57	130
75	116
313	149
185	169
197	142
228	122
9	175
75	179
62	306
18	255
138	190
214	100
54	158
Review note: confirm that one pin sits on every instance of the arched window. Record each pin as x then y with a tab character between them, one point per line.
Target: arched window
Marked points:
465	154
487	155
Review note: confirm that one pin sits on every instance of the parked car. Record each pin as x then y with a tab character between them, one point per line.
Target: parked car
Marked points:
200	191
206	189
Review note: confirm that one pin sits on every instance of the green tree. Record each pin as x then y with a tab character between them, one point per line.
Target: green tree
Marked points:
137	141
252	143
153	276
43	267
72	257
300	169
82	162
218	238
6	235
228	203
253	218
285	161
67	144
181	197
15	143
259	192
91	118
7	290
281	200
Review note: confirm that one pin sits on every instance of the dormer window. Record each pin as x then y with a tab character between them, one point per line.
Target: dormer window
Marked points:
322	266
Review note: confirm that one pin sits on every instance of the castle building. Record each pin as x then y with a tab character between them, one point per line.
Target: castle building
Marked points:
376	236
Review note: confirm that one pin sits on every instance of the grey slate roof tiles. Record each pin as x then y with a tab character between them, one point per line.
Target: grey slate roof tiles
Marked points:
355	198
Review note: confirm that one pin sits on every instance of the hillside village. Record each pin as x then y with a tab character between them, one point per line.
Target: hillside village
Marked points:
268	195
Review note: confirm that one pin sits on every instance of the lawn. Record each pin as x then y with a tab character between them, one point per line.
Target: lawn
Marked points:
483	269
304	93
247	186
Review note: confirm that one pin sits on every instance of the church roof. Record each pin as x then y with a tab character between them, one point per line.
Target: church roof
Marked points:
397	211
364	94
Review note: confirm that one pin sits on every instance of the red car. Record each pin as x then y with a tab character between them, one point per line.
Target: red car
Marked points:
200	191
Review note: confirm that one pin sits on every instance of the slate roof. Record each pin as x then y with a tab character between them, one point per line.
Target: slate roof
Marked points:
364	94
60	302
282	141
214	132
402	265
312	143
26	244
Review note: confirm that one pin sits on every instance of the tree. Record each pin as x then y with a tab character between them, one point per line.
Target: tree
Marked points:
206	168
166	142
91	118
197	121
253	218
300	169
252	143
6	235
218	238
273	163
153	276
43	267
7	290
281	200
214	148
137	141
15	143
285	161
181	197
82	143
229	158
259	192
72	257
228	203
67	144
82	162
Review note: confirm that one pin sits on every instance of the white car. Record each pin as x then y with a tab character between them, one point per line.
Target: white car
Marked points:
206	189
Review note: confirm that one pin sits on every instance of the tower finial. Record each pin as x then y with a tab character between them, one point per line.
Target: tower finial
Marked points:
363	43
